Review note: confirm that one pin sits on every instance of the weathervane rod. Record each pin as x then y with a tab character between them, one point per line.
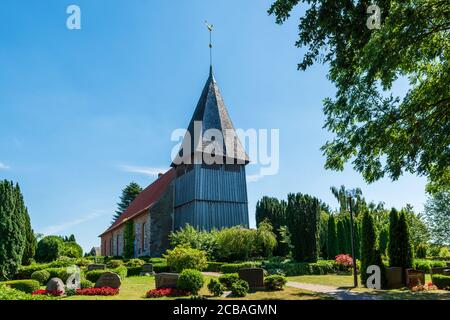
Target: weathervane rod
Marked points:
210	29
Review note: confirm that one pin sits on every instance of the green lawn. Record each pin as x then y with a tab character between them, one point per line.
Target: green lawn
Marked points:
134	288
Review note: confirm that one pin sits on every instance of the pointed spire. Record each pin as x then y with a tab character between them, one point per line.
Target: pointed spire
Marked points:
210	29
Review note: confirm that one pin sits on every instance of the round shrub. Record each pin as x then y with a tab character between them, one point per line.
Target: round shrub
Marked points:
239	288
49	248
59	273
228	279
27	286
83	262
216	288
183	257
84	284
190	280
72	250
275	282
41	276
115	263
134	263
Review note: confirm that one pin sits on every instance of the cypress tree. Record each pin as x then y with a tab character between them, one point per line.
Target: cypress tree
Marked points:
393	245
303	223
332	241
341	237
12	230
406	252
273	210
383	240
31	243
369	253
128	237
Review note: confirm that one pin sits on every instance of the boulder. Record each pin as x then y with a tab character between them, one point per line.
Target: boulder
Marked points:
108	279
166	280
95	266
254	277
55	284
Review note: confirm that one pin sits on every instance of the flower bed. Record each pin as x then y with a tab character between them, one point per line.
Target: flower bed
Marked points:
427	287
55	293
166	292
103	291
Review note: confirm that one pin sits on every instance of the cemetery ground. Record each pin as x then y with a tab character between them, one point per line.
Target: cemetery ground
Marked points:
134	288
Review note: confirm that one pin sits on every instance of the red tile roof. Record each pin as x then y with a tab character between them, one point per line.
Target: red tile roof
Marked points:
145	199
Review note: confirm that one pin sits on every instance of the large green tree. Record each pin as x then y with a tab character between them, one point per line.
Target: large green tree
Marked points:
129	193
380	132
437	211
12	229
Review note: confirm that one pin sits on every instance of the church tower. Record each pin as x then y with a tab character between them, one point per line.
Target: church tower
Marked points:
210	183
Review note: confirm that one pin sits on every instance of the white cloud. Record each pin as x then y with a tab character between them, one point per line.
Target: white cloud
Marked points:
66	225
149	171
3	166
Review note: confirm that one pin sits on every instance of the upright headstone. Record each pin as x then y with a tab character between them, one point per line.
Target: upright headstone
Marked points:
108	279
394	277
95	266
166	280
147	269
55	284
254	277
414	277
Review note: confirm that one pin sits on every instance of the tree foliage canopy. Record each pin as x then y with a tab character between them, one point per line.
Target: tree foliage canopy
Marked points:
130	193
380	133
437	211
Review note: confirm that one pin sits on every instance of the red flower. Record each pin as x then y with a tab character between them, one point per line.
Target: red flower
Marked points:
166	292
103	291
48	292
344	259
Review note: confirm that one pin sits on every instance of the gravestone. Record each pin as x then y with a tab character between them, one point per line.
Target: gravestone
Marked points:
55	284
414	277
95	266
147	269
394	277
437	270
254	277
108	279
166	280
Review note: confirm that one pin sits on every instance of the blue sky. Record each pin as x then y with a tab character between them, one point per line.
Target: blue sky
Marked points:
79	108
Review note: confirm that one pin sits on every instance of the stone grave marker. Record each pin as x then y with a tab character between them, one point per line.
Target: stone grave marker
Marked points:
166	280
108	279
254	277
56	284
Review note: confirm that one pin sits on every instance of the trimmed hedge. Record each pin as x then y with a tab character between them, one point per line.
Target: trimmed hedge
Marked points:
27	286
134	271
321	267
94	275
426	265
25	272
59	273
161	267
214	266
84	284
234	267
441	281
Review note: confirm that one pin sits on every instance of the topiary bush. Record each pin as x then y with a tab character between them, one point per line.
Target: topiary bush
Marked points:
190	280
84	284
72	250
239	288
275	282
59	273
114	263
49	248
182	257
41	276
27	286
134	263
93	275
216	288
228	279
441	281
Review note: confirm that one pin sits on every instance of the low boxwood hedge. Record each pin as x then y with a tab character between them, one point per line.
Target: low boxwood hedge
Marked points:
321	267
214	266
441	281
234	267
426	265
161	267
27	286
134	271
94	275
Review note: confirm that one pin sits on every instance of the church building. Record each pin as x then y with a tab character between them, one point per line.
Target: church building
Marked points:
206	195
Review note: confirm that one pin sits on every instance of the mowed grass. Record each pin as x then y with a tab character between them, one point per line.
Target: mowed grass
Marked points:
135	288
